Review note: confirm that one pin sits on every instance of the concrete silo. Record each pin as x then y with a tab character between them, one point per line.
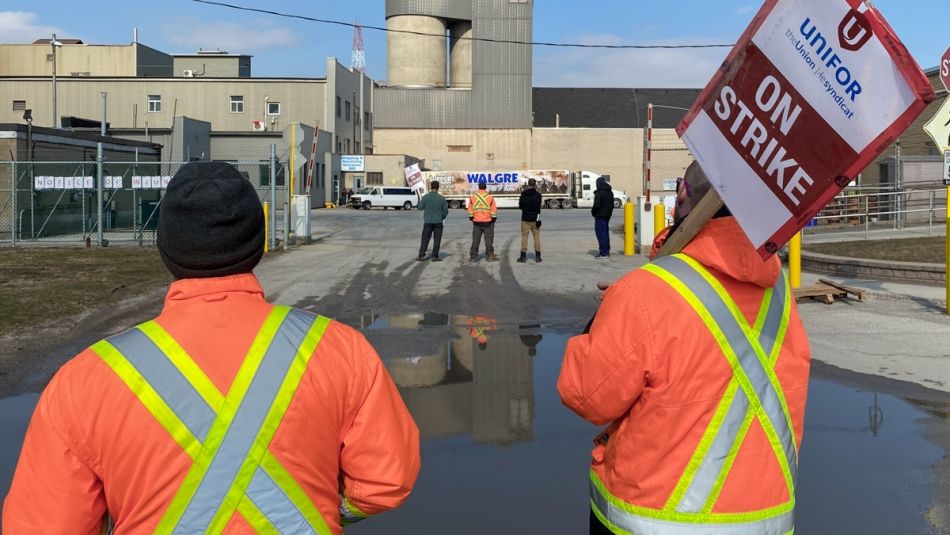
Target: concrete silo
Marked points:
417	60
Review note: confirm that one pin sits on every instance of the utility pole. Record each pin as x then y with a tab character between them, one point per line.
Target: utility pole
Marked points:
54	43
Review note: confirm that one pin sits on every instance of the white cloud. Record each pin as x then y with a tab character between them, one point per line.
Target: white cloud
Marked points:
193	34
21	27
599	67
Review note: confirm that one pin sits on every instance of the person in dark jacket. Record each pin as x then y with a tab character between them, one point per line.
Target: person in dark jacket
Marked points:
530	204
602	210
436	209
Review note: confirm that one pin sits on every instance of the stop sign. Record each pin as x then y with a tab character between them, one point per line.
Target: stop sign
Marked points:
945	69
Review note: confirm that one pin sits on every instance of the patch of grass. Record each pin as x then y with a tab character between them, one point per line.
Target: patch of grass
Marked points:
931	250
38	286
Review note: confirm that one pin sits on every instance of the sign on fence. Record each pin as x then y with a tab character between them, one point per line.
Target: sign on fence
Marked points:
811	94
42	183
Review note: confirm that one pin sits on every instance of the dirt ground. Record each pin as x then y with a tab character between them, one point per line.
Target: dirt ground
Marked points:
40	286
930	250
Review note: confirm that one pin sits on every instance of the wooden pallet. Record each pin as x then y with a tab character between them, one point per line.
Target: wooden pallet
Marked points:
826	291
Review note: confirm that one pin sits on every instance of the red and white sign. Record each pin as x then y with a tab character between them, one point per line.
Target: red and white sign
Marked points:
414	179
945	70
811	94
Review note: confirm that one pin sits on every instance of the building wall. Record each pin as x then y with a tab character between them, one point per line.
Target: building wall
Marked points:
500	93
212	66
200	98
97	60
357	90
614	151
460	149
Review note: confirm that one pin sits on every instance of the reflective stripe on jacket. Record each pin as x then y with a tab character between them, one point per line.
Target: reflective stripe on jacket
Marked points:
482	208
704	386
224	415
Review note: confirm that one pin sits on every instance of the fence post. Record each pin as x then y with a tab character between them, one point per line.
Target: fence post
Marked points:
286	225
795	261
628	224
13	216
867	216
659	218
99	160
273	196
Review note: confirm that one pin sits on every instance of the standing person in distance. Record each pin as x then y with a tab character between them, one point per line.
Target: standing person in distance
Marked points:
602	210
530	204
482	212
436	209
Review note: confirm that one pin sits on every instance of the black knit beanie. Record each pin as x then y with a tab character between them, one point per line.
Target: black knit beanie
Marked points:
211	223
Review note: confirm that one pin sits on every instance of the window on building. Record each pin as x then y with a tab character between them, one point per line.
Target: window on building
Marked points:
374	179
348	147
19	105
347	110
154	103
339	145
237	104
358	146
356	115
459	148
80	73
273	108
338	108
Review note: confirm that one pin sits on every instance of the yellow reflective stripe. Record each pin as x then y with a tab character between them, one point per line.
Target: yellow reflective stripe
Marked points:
727	465
613	528
753	341
158	408
689	518
714	424
737	372
281	402
703	449
782	331
257	520
223	421
154	403
295	492
185	364
348	511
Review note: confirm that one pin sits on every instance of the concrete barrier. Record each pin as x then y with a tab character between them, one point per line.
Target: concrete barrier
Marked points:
863	268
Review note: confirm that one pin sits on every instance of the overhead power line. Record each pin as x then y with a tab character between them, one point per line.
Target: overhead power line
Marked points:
480	39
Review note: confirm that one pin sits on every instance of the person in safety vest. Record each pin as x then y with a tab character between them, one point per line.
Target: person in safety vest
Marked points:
225	414
482	212
699	364
478	329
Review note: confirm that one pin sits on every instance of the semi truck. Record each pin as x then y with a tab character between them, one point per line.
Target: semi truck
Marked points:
558	188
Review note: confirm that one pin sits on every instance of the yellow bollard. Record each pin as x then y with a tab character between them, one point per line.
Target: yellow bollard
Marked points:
266	227
659	219
947	271
795	261
628	222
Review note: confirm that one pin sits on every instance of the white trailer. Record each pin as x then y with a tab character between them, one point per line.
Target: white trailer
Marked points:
558	188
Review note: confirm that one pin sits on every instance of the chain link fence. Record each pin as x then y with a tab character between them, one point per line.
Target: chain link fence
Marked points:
86	202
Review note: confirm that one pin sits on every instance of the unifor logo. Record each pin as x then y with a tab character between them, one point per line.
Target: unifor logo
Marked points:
854	31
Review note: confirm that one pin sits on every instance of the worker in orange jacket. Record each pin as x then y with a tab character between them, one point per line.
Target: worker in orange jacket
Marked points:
225	414
482	212
698	363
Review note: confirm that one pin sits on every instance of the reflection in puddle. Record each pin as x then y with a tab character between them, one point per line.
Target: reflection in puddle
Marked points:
501	454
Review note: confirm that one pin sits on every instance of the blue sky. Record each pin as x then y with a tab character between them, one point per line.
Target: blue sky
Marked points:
283	47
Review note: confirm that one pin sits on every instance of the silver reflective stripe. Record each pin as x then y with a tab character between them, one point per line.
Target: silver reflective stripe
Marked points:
175	390
642	525
700	488
167	380
246	424
276	506
348	516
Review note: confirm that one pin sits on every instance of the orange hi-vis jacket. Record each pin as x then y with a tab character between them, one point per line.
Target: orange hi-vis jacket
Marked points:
482	208
699	364
223	415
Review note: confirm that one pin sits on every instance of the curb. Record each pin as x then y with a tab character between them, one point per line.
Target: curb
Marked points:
863	268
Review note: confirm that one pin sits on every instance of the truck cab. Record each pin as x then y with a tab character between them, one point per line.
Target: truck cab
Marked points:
586	184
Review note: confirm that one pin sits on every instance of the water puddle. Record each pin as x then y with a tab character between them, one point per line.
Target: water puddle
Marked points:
502	455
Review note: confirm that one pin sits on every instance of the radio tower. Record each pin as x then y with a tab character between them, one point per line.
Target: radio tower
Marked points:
358	63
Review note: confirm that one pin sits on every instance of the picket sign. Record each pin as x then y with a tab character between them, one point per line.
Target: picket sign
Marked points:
811	94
